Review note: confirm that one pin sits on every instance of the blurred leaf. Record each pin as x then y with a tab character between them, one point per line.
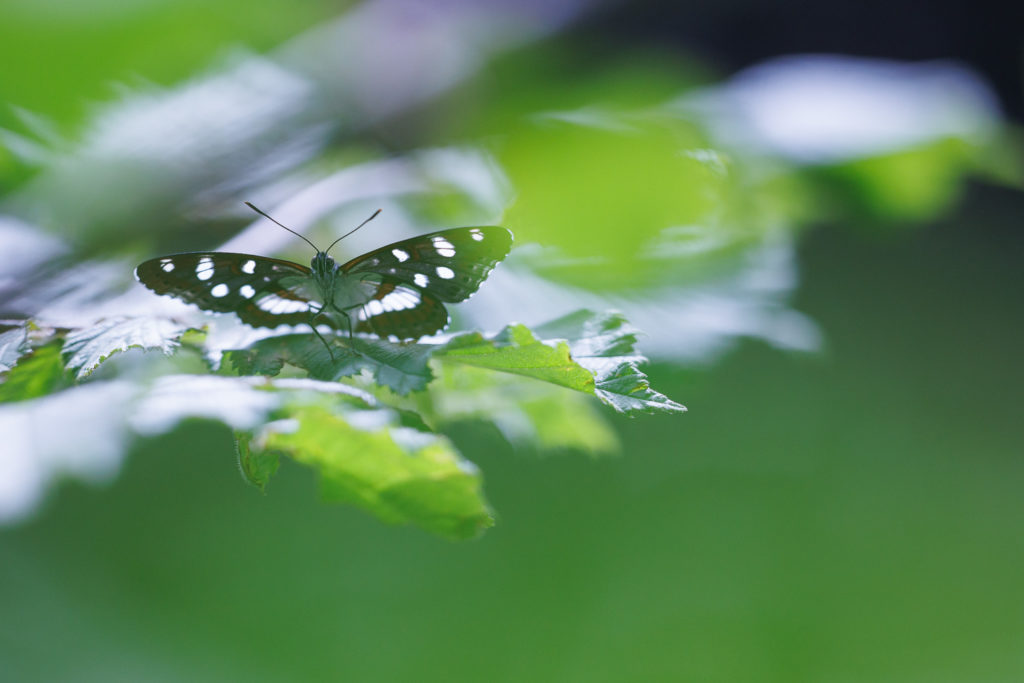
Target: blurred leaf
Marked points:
909	185
237	402
257	467
401	475
91	346
101	43
562	420
529	414
37	374
13	344
78	432
599	185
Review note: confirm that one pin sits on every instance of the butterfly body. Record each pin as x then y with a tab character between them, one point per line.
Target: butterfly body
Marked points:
395	291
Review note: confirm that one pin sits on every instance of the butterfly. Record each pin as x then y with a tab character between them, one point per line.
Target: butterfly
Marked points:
397	291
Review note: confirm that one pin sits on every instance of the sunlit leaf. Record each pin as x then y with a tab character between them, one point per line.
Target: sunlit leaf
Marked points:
37	374
515	349
401	475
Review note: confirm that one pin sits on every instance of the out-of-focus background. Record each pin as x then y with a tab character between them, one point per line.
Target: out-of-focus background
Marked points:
813	211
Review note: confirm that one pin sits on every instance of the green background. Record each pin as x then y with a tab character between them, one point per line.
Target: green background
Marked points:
853	515
848	515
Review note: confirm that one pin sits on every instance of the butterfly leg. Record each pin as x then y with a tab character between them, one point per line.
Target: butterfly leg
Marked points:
348	318
312	324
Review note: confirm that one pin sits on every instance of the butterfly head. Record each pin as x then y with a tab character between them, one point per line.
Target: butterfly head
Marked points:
322	264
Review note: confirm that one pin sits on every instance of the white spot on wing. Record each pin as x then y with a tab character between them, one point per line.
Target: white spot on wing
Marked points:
402	256
220	290
445	272
247	291
421	280
443	246
278	306
166	265
249	267
476	234
400	300
204	269
374	307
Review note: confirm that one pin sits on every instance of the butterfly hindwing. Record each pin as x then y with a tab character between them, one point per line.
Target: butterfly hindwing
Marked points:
449	265
259	290
401	311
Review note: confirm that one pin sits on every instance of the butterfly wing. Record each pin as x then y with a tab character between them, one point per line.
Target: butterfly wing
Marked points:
400	311
410	279
263	292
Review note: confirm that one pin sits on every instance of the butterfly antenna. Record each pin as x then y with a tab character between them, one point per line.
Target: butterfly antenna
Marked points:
283	226
353	230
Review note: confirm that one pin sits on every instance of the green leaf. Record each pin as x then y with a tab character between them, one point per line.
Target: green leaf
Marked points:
603	343
595	355
90	346
400	367
563	420
594	335
258	466
533	415
516	350
627	390
367	458
38	373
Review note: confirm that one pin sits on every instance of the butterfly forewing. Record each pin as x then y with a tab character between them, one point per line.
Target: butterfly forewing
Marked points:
450	265
263	292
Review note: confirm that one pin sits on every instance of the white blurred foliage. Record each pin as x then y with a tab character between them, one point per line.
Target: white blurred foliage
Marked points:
85	431
79	432
828	108
209	117
25	248
173	398
689	324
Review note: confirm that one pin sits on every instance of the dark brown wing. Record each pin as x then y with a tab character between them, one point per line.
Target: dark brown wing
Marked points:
260	291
